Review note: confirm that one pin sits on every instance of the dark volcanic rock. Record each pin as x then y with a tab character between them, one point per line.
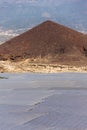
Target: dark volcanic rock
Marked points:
48	39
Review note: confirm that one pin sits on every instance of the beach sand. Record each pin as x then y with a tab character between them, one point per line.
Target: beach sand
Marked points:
27	66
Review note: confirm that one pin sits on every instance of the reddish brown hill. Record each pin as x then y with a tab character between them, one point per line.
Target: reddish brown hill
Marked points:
48	39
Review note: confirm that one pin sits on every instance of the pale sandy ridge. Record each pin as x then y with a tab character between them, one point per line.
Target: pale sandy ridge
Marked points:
26	66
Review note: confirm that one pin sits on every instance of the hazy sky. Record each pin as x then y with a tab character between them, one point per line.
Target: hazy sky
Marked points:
19	15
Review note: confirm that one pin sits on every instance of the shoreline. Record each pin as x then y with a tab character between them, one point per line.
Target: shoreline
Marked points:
26	66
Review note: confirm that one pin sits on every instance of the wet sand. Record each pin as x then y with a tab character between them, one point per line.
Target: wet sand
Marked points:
43	101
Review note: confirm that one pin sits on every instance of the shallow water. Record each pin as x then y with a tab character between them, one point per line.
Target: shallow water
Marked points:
43	101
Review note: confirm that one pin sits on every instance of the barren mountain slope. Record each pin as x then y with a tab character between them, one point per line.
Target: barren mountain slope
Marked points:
50	41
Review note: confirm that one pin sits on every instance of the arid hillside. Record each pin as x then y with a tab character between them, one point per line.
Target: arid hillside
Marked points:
48	42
